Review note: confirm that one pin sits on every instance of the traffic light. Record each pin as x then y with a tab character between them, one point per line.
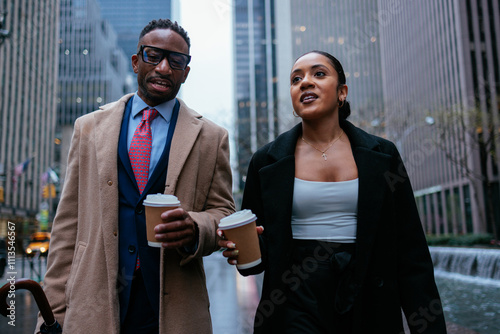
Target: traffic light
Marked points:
49	191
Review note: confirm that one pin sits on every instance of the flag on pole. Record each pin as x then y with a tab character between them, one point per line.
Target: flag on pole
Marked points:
18	170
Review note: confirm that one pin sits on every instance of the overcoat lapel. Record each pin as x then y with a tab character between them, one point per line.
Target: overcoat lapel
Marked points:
182	144
372	168
107	131
278	180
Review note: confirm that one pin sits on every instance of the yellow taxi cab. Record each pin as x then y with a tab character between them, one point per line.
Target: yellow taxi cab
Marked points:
39	243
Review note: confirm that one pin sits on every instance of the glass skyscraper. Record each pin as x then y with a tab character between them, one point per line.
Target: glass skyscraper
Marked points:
349	30
255	78
410	67
128	17
270	35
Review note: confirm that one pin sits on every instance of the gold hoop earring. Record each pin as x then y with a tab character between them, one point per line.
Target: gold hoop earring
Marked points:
341	103
294	113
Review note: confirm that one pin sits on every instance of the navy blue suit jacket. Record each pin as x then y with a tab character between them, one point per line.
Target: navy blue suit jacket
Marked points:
132	221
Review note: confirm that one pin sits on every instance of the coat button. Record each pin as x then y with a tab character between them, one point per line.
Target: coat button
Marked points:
115	233
110	183
378	282
139	210
131	249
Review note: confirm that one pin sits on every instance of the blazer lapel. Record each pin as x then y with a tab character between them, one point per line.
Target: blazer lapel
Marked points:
122	144
164	159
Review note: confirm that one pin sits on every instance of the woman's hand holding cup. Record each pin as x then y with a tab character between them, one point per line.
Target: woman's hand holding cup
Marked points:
231	253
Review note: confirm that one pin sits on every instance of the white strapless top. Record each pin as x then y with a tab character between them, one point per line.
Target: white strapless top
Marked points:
325	211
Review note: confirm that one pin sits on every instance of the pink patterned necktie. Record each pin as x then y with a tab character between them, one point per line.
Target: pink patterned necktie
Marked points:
140	148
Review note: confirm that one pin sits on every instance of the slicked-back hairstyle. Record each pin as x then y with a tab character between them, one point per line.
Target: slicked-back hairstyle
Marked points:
166	24
345	110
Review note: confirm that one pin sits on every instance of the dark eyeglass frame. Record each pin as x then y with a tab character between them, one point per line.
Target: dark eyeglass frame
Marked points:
164	53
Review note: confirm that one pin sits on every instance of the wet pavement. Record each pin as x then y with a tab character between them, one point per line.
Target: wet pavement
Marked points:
470	306
26	309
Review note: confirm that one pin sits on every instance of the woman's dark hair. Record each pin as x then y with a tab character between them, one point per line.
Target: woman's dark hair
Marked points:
345	110
166	24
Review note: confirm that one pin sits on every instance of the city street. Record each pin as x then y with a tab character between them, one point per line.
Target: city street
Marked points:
234	299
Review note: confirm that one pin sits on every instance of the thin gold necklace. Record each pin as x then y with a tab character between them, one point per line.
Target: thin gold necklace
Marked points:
323	153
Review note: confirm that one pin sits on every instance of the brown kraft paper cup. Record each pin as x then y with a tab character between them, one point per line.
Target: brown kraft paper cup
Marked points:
155	205
240	229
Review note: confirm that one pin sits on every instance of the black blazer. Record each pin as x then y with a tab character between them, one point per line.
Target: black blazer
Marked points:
393	268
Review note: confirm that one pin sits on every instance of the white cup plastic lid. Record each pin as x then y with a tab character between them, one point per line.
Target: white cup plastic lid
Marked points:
161	200
237	219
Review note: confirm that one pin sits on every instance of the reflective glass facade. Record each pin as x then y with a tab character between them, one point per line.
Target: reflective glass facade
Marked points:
128	17
255	78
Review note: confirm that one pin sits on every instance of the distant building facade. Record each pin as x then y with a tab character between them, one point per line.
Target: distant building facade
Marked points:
28	86
128	17
349	30
255	78
92	68
408	65
440	61
270	35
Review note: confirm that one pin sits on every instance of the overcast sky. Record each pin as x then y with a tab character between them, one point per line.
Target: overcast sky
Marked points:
209	86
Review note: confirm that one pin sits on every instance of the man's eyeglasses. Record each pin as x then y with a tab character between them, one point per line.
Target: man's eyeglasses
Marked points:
154	56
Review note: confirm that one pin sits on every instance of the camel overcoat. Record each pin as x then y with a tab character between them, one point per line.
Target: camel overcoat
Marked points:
82	279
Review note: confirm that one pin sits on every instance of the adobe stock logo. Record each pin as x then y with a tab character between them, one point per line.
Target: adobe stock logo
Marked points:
293	278
421	318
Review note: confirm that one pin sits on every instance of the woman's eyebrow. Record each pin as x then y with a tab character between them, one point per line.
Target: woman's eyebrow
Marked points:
312	67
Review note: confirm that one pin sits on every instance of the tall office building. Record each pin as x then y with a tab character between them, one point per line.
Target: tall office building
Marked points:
270	35
349	30
28	84
409	66
92	69
128	17
440	60
255	78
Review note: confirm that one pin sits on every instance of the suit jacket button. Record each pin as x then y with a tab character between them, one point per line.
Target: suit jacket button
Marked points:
110	183
115	233
131	249
139	211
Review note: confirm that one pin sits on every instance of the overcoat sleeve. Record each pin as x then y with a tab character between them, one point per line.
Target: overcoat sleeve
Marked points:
252	199
63	237
218	201
418	293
